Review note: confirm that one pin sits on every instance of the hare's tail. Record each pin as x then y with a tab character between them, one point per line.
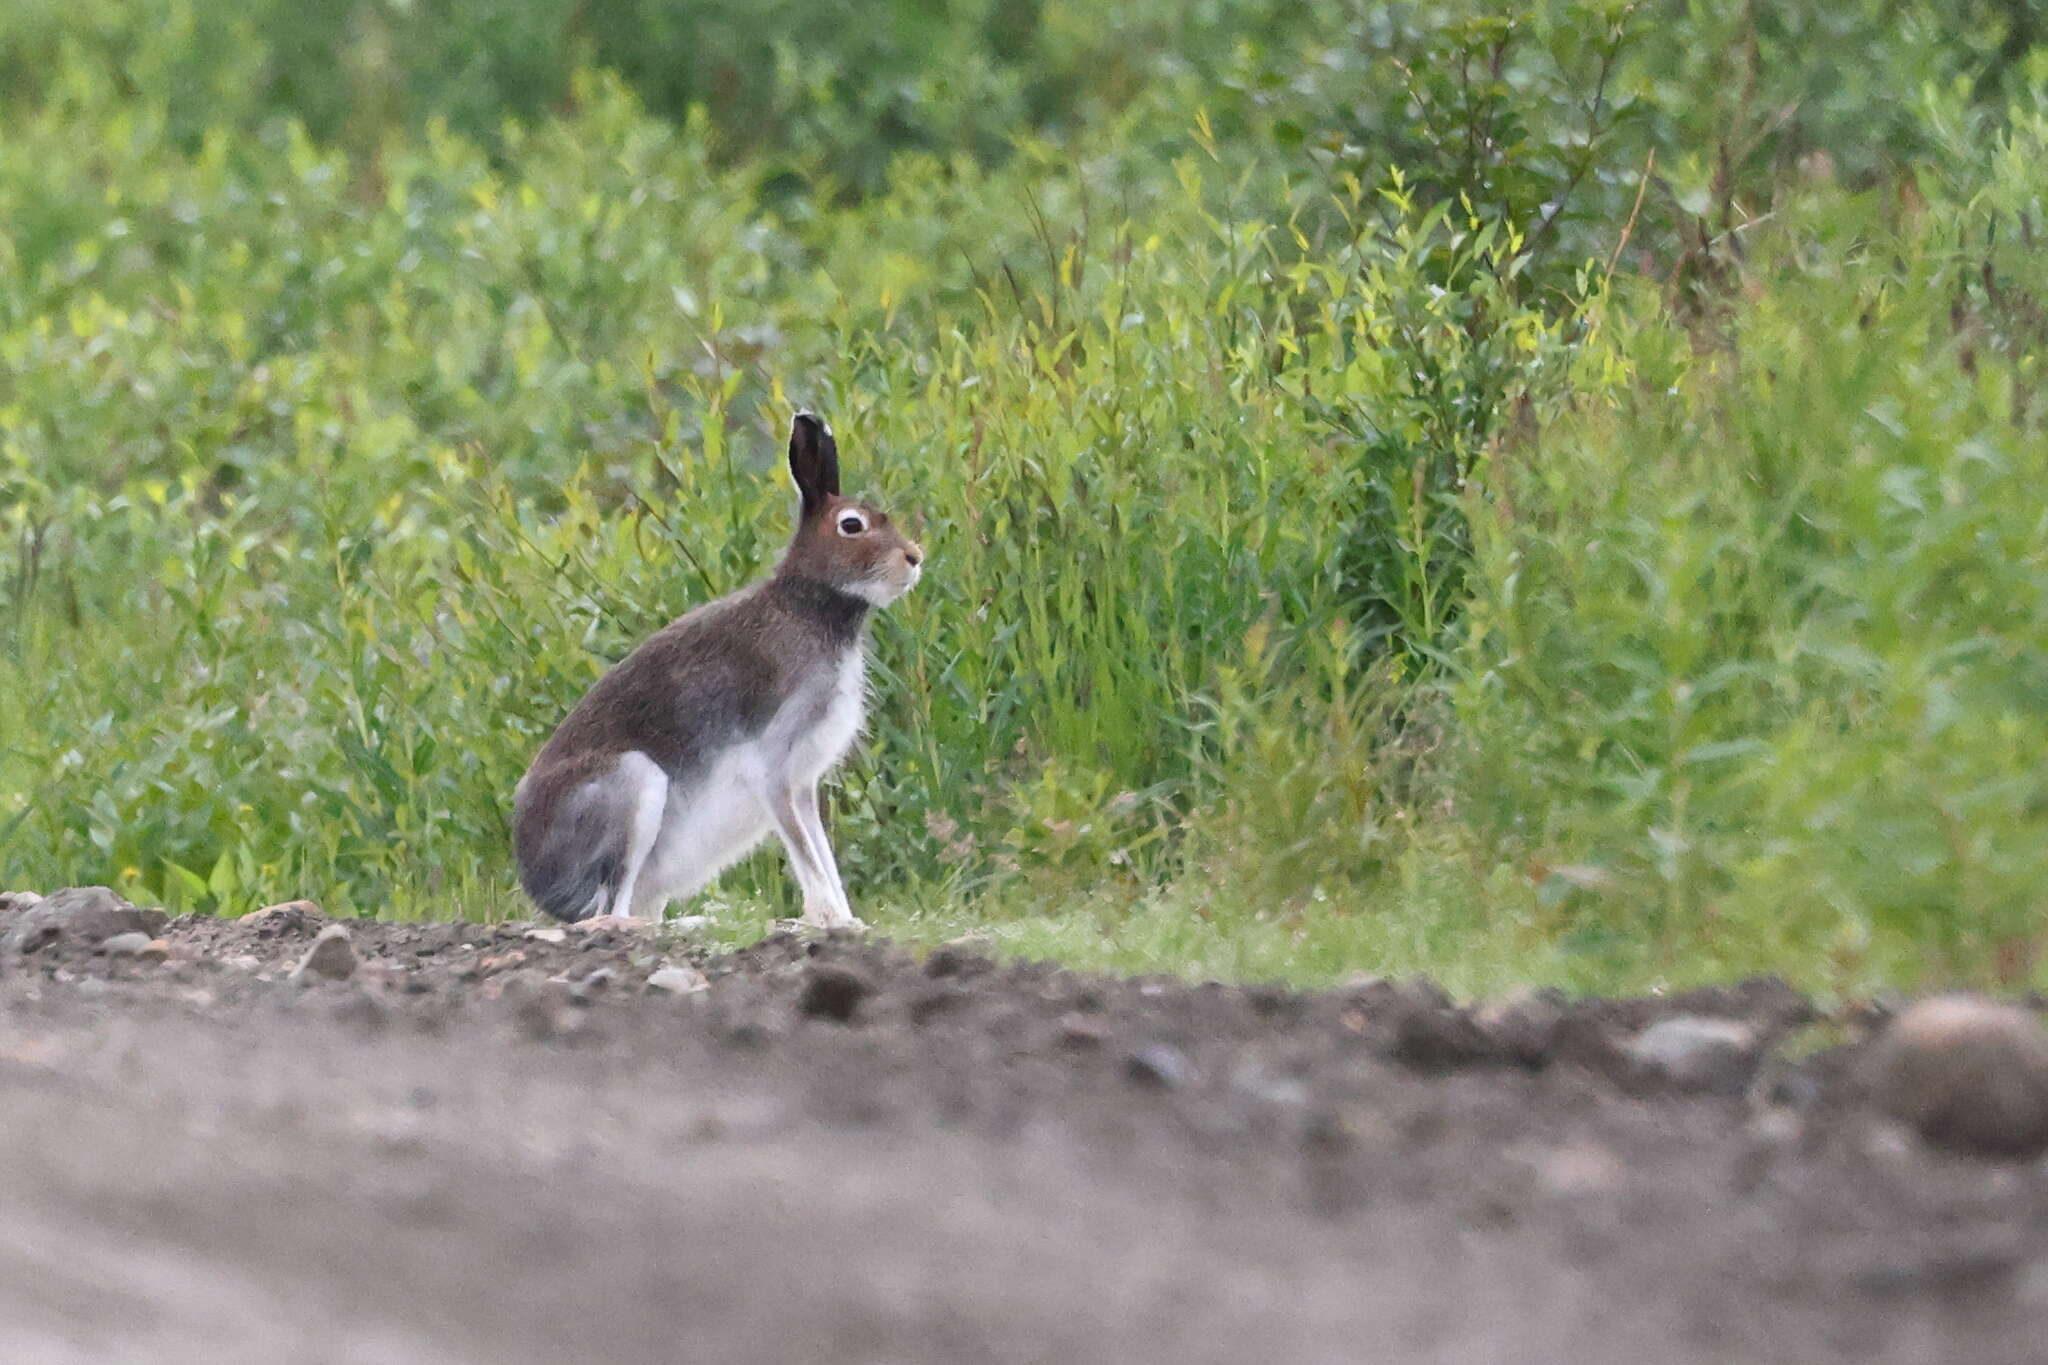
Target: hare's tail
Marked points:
581	836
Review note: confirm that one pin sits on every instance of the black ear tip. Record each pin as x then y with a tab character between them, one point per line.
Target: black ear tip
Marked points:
813	458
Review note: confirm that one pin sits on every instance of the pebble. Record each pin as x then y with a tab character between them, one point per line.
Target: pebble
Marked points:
286	917
131	944
1079	1030
11	901
331	957
1159	1065
1694	1052
547	935
677	980
1965	1073
833	992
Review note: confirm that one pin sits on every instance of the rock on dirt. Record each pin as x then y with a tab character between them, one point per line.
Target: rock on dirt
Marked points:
1160	1066
677	980
11	901
1692	1052
1078	1030
330	958
1966	1073
283	920
82	915
133	944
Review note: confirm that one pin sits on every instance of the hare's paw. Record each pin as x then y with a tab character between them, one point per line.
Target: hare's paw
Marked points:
623	923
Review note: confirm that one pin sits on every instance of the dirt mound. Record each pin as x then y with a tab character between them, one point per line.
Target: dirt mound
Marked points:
517	1141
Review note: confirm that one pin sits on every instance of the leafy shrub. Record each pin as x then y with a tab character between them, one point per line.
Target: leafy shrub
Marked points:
1758	654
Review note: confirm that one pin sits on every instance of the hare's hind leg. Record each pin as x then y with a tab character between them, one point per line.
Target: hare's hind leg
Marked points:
643	793
582	830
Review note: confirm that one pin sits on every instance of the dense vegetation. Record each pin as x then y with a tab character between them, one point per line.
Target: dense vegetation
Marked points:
1524	495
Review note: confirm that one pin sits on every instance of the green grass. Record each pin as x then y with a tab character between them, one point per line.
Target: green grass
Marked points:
1382	519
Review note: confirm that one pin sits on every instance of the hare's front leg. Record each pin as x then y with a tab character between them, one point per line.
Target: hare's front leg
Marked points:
795	808
812	813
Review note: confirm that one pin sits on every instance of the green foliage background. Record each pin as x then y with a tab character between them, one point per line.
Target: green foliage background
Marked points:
1521	494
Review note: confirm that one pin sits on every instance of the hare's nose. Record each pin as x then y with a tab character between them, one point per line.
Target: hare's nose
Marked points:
915	554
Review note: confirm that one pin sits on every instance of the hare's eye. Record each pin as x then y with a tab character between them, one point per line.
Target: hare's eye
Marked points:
852	524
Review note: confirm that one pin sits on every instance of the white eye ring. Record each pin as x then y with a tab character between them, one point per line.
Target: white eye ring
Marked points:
852	524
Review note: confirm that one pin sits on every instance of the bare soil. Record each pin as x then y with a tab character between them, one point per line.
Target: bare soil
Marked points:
472	1150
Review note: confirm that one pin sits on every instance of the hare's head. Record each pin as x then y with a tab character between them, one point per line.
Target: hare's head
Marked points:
841	542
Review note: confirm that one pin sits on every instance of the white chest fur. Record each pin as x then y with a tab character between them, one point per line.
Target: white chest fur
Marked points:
823	724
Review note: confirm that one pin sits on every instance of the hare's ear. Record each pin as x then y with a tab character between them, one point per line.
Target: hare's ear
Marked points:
813	460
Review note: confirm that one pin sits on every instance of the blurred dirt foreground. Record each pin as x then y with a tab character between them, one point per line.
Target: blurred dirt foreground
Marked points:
238	1141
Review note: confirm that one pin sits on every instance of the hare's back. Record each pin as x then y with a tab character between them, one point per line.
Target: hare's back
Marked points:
711	680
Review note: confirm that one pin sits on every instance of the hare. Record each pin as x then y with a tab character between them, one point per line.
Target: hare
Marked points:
717	728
